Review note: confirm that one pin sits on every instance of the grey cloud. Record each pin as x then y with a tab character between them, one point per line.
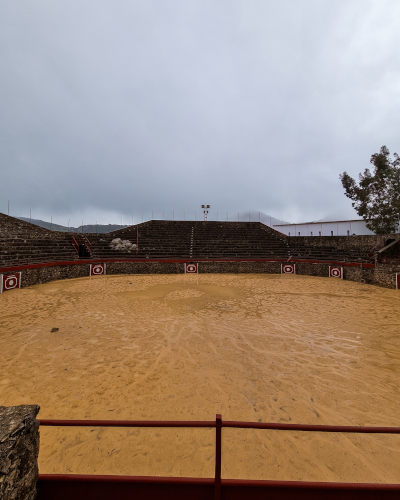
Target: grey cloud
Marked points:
114	108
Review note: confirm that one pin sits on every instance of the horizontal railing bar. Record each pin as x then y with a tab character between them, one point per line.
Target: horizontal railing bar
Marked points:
125	479
224	482
126	423
225	423
310	428
310	484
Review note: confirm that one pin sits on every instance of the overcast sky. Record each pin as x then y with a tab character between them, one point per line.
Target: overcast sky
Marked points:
115	108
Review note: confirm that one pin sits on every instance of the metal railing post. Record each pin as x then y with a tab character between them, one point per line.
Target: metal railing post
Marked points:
218	446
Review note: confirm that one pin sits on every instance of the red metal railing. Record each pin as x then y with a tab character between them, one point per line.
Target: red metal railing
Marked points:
65	486
75	244
87	243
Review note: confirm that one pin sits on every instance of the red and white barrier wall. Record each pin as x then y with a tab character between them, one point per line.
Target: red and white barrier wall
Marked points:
31	274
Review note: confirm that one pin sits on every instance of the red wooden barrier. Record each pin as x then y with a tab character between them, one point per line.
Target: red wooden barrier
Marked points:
87	487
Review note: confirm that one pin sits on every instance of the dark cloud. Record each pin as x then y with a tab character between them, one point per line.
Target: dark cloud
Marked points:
115	108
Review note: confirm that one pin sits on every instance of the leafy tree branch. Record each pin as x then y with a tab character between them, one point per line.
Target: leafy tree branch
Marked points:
376	197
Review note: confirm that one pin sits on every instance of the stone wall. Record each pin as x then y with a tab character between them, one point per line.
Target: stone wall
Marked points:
240	267
19	450
363	243
382	275
385	275
40	275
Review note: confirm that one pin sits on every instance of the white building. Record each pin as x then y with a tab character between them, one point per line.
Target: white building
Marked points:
331	228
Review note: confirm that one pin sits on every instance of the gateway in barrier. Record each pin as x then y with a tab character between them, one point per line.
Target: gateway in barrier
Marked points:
335	272
288	268
84	487
191	268
10	282
97	269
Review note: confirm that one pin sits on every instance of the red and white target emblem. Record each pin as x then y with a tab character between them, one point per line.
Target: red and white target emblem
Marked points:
397	281
10	282
97	269
191	268
288	269
336	272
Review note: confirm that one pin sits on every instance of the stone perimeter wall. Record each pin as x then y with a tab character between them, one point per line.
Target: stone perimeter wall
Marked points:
382	275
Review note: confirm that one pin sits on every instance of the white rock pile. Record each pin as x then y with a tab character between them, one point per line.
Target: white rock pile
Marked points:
122	245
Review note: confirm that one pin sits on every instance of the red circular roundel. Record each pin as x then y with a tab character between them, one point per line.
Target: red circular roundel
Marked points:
10	282
98	269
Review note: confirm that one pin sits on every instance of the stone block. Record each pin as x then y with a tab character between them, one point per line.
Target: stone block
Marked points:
19	450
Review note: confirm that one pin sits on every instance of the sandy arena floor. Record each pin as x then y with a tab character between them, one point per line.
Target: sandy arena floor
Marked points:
185	347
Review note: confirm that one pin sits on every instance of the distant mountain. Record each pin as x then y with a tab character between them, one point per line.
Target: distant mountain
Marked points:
89	228
257	216
45	225
243	216
98	228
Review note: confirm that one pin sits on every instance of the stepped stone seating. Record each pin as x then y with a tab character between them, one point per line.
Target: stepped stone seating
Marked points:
24	243
299	249
169	239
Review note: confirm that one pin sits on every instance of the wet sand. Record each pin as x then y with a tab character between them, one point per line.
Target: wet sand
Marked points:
185	347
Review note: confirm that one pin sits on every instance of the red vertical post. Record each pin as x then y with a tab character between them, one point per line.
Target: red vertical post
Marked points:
218	445
137	239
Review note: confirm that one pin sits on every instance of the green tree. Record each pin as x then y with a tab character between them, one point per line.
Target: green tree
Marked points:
376	197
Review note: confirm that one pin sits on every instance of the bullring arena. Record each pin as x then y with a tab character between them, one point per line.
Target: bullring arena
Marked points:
239	337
